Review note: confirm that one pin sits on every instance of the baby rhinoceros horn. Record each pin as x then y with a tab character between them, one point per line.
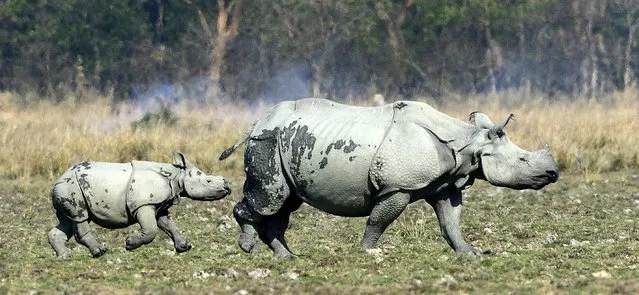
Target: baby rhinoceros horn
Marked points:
199	185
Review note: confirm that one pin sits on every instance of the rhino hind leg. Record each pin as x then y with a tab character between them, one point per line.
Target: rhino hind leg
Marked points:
272	233
383	214
266	192
83	235
248	221
448	210
60	235
268	229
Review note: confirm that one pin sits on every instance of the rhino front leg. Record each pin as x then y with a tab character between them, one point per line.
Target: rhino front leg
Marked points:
145	216
448	209
167	225
383	214
84	236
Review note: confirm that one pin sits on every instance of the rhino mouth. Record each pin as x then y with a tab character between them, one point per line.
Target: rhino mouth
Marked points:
217	195
547	177
223	193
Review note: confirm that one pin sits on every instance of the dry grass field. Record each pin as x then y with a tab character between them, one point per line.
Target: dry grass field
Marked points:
576	236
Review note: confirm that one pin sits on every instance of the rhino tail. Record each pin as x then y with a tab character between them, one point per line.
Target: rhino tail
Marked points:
244	139
230	150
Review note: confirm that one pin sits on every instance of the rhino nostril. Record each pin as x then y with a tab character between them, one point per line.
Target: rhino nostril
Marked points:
552	174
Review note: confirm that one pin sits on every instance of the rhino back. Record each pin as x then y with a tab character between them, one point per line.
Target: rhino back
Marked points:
327	149
104	187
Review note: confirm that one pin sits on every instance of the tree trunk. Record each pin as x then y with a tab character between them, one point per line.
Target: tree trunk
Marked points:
524	83
607	70
316	80
393	22
225	33
628	74
594	68
493	56
159	22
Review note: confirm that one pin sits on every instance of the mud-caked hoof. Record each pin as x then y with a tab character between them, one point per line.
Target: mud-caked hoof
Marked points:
183	247
368	245
99	252
248	243
63	256
285	255
130	245
468	249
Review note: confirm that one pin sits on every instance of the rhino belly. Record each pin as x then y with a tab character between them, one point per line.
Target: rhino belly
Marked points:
328	161
104	186
343	194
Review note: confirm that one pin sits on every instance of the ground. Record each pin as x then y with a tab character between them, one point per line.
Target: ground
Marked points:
576	236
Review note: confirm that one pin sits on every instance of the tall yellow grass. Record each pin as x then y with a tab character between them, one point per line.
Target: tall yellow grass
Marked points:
44	139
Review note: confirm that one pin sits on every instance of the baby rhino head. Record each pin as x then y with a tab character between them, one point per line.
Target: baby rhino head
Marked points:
199	185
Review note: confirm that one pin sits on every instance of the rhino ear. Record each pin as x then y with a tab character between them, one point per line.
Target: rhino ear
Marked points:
499	128
481	120
180	160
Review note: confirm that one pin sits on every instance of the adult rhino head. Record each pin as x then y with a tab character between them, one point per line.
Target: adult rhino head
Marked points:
503	163
199	185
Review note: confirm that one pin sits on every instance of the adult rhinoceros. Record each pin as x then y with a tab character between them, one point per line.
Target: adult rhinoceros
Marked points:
373	161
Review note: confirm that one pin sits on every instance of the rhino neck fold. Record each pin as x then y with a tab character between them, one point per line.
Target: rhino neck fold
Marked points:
466	160
176	182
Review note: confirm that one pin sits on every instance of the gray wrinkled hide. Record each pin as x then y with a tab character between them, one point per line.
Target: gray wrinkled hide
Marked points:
116	195
361	161
110	190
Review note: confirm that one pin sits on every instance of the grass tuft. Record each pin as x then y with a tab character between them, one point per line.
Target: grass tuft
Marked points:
164	117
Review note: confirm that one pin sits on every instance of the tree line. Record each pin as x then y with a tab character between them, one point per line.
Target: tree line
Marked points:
341	49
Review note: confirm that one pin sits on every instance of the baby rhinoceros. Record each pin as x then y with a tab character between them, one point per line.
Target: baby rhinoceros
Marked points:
116	195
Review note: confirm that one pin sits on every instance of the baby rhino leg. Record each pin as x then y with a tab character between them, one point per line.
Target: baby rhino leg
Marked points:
84	236
167	225
59	235
145	216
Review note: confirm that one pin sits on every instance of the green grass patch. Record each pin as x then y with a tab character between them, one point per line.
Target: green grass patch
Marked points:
575	236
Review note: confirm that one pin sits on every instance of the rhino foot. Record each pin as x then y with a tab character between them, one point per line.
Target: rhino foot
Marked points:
285	255
63	256
97	252
183	247
248	243
468	249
